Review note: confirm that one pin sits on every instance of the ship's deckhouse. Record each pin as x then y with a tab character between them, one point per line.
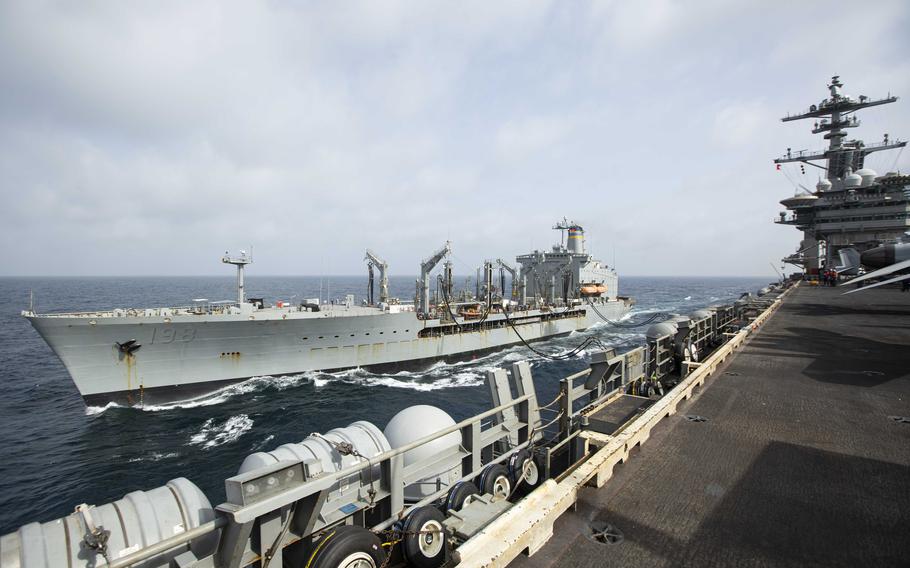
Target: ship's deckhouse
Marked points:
565	273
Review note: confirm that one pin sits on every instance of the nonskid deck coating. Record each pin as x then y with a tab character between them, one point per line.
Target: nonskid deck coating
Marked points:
799	463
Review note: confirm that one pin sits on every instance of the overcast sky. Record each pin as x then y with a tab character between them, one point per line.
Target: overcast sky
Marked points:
148	138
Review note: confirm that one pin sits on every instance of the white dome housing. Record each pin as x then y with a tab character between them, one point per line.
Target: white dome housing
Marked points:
852	180
823	185
868	176
661	329
799	201
414	423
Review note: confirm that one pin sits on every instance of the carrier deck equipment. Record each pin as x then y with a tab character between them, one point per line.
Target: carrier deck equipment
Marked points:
803	458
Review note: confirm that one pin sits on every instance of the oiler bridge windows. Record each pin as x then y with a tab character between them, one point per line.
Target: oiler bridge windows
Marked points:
468	327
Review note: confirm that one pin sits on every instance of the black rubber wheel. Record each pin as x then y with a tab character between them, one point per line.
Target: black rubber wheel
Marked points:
516	463
494	480
424	542
532	466
458	494
347	546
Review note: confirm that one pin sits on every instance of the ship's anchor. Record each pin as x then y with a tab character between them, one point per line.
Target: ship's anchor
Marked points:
127	347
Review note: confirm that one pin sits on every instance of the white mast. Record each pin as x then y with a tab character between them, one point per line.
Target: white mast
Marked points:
239	262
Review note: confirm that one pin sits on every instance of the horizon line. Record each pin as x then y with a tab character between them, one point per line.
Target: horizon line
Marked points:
247	277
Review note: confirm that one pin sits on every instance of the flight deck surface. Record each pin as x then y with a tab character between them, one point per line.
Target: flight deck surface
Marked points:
802	459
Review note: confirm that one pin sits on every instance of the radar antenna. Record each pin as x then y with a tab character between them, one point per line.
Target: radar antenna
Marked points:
562	227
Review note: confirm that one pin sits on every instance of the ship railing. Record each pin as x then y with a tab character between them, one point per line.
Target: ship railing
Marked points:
801	155
819	154
240	518
488	438
164	311
575	399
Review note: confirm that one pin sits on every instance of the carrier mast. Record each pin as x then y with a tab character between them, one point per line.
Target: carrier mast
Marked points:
821	215
239	262
840	154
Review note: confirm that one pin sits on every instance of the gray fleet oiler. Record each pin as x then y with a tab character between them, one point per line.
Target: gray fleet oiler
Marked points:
144	355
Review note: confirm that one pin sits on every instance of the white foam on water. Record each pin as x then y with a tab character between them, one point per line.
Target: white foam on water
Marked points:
93	410
264	442
458	380
154	456
438	378
285	382
225	393
214	434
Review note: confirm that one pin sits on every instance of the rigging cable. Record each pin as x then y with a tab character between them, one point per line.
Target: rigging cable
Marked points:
630	325
787	175
896	158
445	296
562	357
569	355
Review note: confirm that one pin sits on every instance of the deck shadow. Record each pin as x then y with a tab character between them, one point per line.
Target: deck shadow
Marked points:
850	359
825	310
794	506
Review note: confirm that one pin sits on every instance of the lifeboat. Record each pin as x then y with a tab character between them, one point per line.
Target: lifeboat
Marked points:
470	313
593	289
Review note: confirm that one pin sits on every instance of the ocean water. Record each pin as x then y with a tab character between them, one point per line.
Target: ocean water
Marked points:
57	453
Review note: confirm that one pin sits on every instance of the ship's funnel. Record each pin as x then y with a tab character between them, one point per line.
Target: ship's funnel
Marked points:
576	242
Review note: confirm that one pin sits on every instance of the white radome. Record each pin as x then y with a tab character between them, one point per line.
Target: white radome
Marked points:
852	180
867	175
413	423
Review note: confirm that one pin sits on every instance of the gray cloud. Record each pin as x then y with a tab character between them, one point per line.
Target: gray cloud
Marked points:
139	132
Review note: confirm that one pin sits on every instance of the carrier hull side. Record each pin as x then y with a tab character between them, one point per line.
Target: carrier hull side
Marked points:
186	356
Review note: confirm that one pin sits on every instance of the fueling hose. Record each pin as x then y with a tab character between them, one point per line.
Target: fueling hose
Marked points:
569	355
630	325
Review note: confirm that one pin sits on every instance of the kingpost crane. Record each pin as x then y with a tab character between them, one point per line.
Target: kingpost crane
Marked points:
383	276
516	280
423	284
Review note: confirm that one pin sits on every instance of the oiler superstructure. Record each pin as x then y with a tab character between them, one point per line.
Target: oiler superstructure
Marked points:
151	354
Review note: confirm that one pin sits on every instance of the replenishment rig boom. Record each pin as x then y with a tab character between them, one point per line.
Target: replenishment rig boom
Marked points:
423	284
383	276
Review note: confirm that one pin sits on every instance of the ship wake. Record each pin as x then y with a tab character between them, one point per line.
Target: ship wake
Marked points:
439	376
214	433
